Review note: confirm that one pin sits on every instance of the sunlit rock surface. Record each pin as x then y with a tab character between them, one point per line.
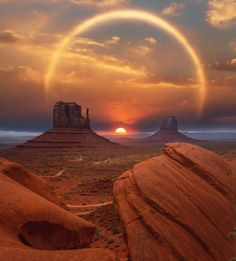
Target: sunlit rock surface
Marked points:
178	206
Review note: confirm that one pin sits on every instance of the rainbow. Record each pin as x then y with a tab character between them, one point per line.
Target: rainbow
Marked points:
140	15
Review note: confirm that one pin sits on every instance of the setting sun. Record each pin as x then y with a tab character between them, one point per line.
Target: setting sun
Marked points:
121	131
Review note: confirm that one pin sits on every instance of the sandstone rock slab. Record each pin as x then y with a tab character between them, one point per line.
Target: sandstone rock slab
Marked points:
177	206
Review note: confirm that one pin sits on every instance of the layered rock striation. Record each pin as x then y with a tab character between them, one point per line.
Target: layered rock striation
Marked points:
177	206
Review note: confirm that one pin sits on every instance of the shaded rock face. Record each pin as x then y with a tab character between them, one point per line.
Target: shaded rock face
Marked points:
31	223
168	132
68	115
177	206
169	124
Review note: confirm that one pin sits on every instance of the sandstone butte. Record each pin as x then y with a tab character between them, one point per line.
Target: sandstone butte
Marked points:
71	130
178	206
34	226
168	132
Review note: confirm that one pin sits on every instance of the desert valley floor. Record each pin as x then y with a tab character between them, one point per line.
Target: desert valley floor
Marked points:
84	181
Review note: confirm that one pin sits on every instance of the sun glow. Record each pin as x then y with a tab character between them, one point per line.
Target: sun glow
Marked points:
144	16
120	131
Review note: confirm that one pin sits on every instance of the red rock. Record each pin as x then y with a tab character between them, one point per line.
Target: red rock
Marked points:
69	115
177	206
168	132
28	180
70	130
32	227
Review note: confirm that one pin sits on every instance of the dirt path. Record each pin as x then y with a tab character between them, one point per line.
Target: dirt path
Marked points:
59	173
89	206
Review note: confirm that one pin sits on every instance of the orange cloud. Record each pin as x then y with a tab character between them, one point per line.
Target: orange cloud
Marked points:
88	42
105	62
114	40
173	9
221	13
100	3
151	40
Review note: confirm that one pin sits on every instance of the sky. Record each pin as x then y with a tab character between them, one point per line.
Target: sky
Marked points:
129	73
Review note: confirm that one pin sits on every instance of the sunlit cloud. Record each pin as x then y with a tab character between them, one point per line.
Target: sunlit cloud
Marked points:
100	3
88	42
221	13
233	61
105	62
114	40
174	9
232	45
23	73
151	40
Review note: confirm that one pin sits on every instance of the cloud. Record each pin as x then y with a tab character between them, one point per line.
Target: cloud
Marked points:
114	40
100	3
21	96
221	13
108	63
229	66
9	36
232	45
88	41
174	9
22	73
233	61
151	40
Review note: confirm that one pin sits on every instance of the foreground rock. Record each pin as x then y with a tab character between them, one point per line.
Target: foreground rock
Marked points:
28	180
33	227
177	206
168	132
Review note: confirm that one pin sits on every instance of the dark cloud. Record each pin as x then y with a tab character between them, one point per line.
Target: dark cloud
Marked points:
9	36
228	66
22	99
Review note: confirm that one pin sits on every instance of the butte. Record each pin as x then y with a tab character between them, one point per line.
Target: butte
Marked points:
71	131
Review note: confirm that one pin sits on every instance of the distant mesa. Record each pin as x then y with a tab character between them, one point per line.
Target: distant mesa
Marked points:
168	132
70	130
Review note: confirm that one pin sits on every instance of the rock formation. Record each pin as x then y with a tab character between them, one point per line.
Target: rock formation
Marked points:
68	115
178	206
168	132
70	130
28	180
169	124
31	224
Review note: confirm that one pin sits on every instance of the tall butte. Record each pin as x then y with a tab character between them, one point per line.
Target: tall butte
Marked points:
70	130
